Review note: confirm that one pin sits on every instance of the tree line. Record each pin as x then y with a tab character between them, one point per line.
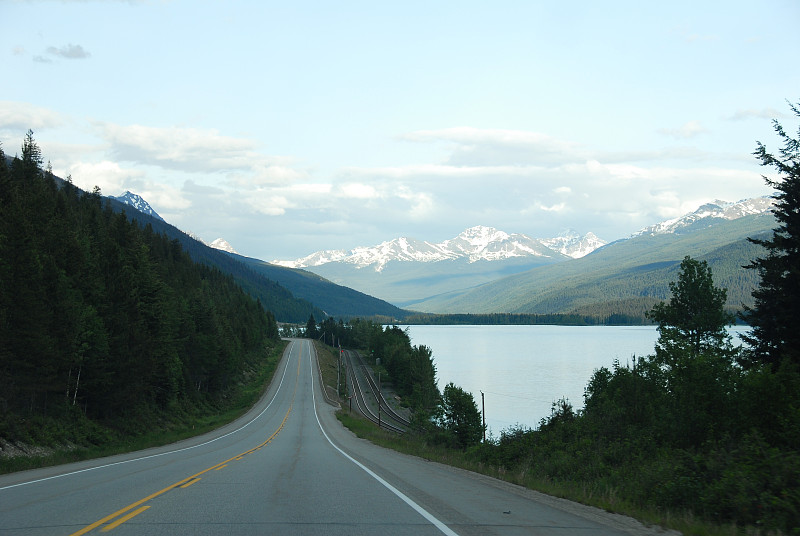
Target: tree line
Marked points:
699	426
105	318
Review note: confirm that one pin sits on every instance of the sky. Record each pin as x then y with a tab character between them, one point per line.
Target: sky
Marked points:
291	127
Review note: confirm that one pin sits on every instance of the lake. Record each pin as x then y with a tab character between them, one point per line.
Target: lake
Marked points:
522	370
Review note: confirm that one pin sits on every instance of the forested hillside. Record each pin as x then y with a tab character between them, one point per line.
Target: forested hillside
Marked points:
624	278
104	320
278	299
291	294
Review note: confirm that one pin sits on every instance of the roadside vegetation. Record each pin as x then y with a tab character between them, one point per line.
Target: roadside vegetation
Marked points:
111	338
700	436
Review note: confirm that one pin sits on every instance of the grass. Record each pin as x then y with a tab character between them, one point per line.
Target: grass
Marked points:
592	494
175	424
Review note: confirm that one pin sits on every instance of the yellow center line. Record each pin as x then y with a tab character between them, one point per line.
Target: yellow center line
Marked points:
122	520
188	481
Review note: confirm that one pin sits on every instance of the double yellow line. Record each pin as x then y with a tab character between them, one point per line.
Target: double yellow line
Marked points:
186	482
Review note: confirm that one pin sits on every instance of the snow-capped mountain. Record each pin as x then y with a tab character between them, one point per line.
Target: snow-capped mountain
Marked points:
222	244
707	213
574	245
474	244
138	202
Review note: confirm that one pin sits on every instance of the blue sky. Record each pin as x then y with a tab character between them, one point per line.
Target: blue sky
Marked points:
290	127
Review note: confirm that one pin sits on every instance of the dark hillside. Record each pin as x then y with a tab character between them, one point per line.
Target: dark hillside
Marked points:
276	298
292	295
334	299
105	321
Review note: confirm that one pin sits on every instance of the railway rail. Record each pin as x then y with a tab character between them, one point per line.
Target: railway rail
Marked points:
364	387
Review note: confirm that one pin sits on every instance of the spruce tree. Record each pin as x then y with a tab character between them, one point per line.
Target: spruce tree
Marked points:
775	316
694	321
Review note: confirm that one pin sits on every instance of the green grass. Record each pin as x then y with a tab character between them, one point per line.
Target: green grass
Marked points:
595	494
86	440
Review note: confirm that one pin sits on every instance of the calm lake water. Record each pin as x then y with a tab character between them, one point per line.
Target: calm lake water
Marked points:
522	370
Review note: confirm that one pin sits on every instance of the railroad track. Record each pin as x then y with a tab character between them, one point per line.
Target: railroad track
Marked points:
362	392
375	388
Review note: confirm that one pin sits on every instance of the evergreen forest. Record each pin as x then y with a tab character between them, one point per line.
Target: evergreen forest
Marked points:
107	327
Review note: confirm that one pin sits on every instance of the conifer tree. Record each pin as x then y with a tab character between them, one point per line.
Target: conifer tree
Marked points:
775	316
694	321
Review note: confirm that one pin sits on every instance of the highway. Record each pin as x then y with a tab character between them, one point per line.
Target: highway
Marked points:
286	467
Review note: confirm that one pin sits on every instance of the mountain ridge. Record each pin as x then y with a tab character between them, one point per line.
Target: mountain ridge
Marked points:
485	270
136	201
477	243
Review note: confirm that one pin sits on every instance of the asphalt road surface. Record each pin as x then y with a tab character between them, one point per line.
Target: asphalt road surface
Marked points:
287	467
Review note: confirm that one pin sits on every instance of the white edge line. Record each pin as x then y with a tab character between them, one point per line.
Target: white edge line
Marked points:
419	509
163	453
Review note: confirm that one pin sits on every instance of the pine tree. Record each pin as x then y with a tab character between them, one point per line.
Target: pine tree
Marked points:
694	320
775	316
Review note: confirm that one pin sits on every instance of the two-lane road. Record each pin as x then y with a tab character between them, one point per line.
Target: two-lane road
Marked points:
287	467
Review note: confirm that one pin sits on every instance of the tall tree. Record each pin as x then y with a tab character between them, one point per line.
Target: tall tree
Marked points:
460	416
311	328
775	316
694	356
694	321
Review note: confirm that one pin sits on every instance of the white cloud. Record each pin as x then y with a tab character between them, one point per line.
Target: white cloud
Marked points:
554	208
70	52
21	116
268	204
109	176
685	131
194	150
355	190
499	147
763	113
186	149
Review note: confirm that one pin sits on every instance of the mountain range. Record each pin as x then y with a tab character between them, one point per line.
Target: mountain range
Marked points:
474	244
426	276
486	270
627	277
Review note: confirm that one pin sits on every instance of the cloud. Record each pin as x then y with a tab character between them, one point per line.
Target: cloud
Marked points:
492	147
185	149
70	52
109	176
685	131
764	113
602	194
194	150
358	191
21	116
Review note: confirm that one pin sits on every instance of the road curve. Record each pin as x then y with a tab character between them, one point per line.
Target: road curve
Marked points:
287	467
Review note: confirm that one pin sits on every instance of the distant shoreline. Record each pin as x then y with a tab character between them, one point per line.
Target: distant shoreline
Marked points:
514	319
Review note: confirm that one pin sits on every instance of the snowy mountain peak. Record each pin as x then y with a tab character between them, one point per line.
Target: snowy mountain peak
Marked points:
475	244
716	209
223	245
138	202
572	244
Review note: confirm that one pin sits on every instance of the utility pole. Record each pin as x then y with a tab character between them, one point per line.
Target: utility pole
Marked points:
483	411
378	397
